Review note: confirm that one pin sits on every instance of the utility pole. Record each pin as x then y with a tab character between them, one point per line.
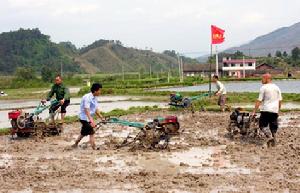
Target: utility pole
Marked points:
217	62
61	69
244	70
123	75
181	67
169	76
210	62
139	76
150	71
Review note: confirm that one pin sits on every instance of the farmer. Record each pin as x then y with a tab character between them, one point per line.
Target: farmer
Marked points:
88	108
269	102
62	94
221	92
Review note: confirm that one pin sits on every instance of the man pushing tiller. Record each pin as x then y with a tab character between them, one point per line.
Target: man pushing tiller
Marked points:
88	108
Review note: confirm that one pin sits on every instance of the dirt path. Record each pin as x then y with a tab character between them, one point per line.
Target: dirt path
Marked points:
200	159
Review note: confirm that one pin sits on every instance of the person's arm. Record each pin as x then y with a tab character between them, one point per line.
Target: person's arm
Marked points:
258	101
280	99
90	118
98	113
67	95
280	103
50	94
256	107
221	88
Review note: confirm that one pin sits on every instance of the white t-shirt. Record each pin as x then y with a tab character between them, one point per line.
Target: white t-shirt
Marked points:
221	88
270	95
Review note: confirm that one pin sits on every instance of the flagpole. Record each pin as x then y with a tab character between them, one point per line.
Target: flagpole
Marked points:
210	69
217	61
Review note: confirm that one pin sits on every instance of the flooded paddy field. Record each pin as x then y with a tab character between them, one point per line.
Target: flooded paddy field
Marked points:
201	158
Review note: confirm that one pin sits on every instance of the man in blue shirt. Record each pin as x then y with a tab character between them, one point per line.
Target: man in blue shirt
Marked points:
89	108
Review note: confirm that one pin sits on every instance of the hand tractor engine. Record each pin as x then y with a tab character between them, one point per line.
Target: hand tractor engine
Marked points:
154	134
242	122
24	124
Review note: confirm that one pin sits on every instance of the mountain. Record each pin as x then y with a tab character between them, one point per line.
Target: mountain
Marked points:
31	49
112	56
282	39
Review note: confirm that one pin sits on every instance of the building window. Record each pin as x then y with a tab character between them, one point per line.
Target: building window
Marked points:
250	64
225	64
233	65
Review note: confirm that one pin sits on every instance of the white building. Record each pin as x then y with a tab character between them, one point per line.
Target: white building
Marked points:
238	68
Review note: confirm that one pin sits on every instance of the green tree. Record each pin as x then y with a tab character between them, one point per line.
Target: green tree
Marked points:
285	54
296	54
278	54
47	74
23	73
238	55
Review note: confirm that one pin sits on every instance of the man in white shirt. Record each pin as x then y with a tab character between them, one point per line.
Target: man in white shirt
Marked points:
269	102
89	108
221	92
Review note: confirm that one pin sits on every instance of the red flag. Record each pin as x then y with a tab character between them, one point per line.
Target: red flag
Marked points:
217	35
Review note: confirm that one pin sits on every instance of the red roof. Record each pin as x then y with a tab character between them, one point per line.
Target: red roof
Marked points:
239	61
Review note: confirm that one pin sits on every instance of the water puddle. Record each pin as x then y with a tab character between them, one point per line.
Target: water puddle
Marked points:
178	191
72	90
225	189
286	86
209	160
5	161
125	188
73	110
115	164
285	120
17	104
285	105
28	190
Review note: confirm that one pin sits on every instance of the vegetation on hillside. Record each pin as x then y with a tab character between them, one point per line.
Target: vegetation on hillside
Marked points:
29	48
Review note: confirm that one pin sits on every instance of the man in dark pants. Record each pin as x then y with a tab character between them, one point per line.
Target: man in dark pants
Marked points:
62	94
88	108
269	102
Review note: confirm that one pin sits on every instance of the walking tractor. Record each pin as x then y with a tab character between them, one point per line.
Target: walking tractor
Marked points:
177	100
241	122
25	124
152	135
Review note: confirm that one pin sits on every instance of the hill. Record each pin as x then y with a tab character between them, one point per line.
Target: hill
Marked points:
282	39
31	49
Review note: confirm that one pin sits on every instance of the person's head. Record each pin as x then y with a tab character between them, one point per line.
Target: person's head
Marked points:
215	78
58	80
96	89
266	78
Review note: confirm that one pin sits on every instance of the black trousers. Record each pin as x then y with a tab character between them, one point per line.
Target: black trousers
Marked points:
86	128
269	119
53	108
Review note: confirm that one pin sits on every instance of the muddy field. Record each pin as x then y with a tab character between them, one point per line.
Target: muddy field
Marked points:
201	159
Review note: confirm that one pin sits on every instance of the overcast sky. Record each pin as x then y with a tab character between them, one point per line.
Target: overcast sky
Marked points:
182	25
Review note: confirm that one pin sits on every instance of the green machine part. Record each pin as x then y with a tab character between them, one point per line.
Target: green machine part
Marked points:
199	96
40	108
126	123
